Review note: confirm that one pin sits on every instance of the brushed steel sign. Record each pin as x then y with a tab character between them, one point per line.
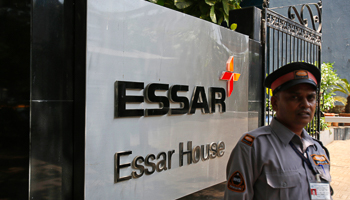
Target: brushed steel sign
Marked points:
158	116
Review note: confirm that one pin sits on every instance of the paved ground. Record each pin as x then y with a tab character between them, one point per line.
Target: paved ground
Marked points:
340	168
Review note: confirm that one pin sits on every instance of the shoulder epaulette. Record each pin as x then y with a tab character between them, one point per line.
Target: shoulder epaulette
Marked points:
323	147
249	137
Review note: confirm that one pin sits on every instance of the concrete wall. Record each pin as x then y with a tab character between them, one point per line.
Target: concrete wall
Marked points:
280	3
327	136
336	35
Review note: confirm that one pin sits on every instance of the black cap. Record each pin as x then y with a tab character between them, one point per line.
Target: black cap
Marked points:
293	74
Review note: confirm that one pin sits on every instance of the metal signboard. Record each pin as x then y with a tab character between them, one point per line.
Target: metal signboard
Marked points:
166	101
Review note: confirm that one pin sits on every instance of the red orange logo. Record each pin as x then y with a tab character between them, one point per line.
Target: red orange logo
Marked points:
236	182
248	139
229	76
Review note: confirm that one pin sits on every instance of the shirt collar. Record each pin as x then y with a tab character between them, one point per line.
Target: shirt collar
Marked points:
307	139
285	135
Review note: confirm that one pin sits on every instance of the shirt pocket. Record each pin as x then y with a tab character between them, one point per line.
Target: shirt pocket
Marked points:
286	183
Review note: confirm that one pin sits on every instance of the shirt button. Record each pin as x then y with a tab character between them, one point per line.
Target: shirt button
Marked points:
284	184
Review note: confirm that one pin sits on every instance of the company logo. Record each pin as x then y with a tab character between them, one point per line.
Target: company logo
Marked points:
320	159
229	76
199	99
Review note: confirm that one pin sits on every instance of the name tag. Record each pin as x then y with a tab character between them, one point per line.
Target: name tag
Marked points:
320	191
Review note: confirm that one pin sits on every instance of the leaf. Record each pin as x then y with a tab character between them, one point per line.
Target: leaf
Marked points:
345	80
212	14
226	18
225	5
233	26
196	12
170	4
193	10
340	99
210	2
340	89
204	8
153	1
182	4
205	17
160	2
343	86
219	16
237	6
220	20
230	6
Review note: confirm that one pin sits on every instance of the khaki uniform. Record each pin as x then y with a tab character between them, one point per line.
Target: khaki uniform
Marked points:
264	166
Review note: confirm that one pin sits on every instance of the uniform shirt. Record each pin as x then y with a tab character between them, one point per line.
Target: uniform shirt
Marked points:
264	166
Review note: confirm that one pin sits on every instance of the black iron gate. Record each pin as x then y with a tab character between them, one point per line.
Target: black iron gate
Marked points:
289	39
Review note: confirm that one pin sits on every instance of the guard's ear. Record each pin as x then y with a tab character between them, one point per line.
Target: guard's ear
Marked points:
274	100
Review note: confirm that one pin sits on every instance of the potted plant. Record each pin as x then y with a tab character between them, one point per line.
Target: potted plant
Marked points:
344	87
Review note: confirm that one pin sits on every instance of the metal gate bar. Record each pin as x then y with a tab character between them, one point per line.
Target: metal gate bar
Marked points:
287	41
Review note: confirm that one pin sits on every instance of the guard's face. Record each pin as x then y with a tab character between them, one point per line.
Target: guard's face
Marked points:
296	106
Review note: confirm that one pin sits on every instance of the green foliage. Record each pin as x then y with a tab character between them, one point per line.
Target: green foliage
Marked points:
340	99
323	124
211	10
233	26
182	4
329	80
344	87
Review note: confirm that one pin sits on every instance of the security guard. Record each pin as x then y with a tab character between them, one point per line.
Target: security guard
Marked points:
281	161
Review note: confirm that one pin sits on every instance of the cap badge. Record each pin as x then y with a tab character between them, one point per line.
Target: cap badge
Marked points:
301	74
